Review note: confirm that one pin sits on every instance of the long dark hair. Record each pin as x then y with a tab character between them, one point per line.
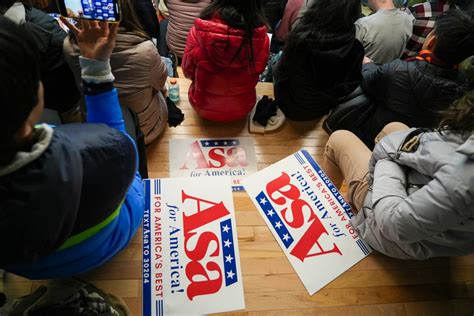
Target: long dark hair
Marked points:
459	117
324	19
239	14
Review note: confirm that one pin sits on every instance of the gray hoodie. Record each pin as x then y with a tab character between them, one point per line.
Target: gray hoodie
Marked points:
421	202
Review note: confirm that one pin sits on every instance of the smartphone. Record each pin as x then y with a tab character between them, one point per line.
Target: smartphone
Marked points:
96	10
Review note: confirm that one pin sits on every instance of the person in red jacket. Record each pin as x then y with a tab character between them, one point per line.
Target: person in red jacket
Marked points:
226	51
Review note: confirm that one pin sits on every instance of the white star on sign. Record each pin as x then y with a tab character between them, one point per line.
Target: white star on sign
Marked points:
278	224
270	213
234	142
286	237
263	201
227	243
229	258
225	229
216	143
207	143
230	274
225	143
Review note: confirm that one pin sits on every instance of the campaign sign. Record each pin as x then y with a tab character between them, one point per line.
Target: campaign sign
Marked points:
213	157
191	263
309	219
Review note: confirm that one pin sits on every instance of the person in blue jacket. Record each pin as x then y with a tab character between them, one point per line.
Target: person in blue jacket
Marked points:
70	196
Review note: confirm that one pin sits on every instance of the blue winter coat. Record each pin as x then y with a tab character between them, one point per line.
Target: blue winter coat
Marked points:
75	199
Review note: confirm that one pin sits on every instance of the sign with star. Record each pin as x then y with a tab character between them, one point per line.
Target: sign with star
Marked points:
191	263
233	157
308	217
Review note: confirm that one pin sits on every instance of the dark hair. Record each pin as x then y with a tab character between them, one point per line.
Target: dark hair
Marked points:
459	117
19	83
130	21
5	5
239	14
325	19
454	37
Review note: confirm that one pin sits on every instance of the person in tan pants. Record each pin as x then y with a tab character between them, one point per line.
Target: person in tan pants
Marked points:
347	157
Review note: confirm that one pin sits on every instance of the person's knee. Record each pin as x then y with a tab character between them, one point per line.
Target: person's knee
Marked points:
339	139
395	127
389	129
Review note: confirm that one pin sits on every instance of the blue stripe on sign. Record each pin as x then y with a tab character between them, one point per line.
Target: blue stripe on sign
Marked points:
299	158
159	308
146	255
220	142
157	184
337	195
277	223
361	245
228	252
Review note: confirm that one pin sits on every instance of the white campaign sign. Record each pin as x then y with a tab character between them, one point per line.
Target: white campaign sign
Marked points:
233	157
191	262
308	217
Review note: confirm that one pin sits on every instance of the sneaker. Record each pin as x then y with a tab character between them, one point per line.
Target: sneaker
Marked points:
67	297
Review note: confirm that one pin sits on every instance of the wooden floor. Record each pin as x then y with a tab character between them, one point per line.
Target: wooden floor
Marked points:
376	286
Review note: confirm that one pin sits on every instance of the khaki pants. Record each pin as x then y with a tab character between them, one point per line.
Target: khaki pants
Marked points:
346	157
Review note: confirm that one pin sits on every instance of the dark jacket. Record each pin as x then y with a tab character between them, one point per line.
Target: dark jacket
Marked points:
309	80
64	184
409	92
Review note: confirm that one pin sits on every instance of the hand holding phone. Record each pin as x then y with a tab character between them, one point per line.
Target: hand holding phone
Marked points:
96	40
95	10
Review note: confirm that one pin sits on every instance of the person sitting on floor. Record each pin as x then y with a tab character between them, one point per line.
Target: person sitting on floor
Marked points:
70	196
425	14
139	71
321	61
226	51
290	14
385	33
414	91
414	194
182	14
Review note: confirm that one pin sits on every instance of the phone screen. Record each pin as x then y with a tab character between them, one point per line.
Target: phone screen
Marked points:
101	10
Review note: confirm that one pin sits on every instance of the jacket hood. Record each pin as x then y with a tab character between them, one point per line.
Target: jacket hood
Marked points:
22	158
340	60
468	147
221	43
339	46
16	13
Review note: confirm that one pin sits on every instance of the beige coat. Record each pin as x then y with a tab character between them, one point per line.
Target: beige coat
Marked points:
182	14
140	75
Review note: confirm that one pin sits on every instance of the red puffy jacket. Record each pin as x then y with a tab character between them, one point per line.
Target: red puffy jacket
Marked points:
223	87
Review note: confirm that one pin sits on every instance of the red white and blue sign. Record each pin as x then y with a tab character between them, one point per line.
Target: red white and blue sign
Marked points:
191	263
309	219
233	157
